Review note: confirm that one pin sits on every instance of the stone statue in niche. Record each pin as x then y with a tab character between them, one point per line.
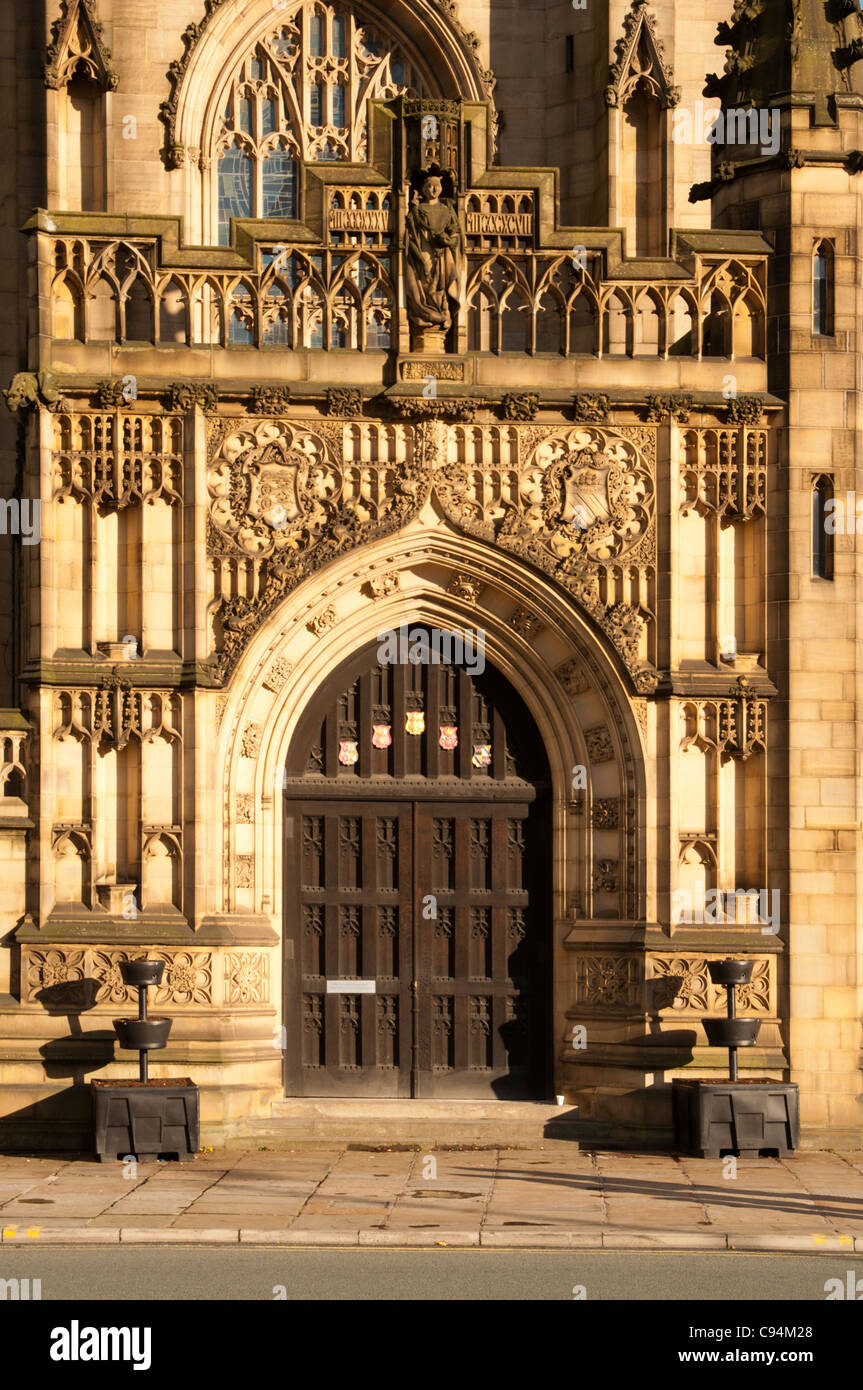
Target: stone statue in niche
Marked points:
435	267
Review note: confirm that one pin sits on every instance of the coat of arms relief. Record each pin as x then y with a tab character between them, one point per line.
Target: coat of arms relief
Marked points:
286	498
581	507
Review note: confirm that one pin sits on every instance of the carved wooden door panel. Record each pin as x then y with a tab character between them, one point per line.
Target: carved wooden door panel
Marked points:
481	957
352	863
417	956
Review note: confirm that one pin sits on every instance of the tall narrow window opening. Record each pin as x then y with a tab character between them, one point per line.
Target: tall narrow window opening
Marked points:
822	289
824	522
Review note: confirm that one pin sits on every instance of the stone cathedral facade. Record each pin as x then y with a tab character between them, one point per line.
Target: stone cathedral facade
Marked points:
440	319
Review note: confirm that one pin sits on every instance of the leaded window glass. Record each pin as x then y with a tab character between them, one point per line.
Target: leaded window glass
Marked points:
279	185
235	190
302	94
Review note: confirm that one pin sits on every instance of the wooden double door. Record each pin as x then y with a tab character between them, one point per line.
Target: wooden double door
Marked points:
417	930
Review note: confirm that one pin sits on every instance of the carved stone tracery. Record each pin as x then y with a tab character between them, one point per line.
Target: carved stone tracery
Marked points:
77	45
188	976
724	471
735	728
640	62
581	501
682	984
578	503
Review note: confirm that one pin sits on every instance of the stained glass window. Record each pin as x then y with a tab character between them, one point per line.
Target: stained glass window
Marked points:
279	185
276	321
377	325
301	93
235	190
241	324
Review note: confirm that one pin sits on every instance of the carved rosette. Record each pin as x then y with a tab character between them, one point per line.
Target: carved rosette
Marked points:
682	984
608	981
247	977
188	976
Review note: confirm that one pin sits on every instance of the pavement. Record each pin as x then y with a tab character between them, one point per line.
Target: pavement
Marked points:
554	1196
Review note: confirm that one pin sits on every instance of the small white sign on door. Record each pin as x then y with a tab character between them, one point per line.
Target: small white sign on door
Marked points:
352	986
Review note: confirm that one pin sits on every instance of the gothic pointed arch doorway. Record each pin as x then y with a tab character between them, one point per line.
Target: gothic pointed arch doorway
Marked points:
418	950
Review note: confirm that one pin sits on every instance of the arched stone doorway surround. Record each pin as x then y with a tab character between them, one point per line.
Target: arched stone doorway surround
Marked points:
602	876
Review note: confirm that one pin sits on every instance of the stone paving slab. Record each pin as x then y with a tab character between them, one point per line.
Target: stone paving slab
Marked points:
546	1197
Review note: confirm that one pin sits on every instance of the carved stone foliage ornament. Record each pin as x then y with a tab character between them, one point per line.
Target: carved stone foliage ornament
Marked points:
682	984
434	407
673	406
609	981
247	977
188	976
577	503
270	400
383	585
278	675
282	496
251	740
600	748
322	622
573	678
343	401
587	407
745	410
583	500
183	396
520	407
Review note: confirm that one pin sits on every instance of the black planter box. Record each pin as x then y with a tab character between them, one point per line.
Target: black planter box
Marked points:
145	1118
742	1117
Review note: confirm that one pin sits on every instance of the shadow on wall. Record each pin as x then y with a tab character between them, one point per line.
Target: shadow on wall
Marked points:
640	1117
62	1122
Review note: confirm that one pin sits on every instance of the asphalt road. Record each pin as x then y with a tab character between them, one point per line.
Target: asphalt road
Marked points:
251	1274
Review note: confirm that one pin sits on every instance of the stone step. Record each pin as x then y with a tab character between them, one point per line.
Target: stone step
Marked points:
319	1122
